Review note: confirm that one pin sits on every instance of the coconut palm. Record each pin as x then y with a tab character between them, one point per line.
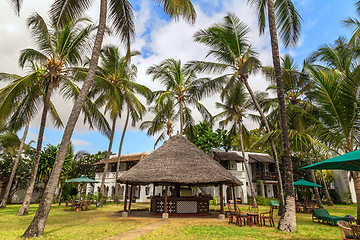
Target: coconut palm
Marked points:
59	49
121	19
235	104
115	82
16	4
336	86
282	17
18	104
163	121
353	25
233	53
183	88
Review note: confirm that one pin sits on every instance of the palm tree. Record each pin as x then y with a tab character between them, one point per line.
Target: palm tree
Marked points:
233	52
121	18
165	115
353	25
115	82
336	86
16	4
287	22
18	105
58	50
183	88
236	103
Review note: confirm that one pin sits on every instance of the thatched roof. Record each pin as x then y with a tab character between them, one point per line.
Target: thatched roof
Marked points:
261	158
126	158
227	156
235	156
178	161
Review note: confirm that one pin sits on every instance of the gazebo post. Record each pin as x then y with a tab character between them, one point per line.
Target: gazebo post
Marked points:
131	196
165	215
233	188
221	215
154	190
124	213
221	199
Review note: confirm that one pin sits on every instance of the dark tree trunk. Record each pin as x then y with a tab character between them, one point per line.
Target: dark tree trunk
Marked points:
37	226
287	221
327	194
16	163
119	156
181	117
317	195
356	178
24	209
246	163
267	127
102	186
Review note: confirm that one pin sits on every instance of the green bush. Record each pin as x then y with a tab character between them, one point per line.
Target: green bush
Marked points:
262	201
214	201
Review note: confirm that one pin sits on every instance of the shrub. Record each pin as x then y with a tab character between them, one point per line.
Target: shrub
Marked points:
262	201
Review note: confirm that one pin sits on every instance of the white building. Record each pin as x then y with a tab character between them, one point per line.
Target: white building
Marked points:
261	167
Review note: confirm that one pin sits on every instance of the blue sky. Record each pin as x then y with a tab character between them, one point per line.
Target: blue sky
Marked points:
159	37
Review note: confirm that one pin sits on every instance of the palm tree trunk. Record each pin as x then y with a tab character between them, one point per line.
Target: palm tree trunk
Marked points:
37	226
317	195
24	209
287	221
120	149
267	127
102	186
181	117
246	163
16	163
356	178
327	194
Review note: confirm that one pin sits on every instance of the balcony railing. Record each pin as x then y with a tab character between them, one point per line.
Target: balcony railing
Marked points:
265	176
238	174
109	175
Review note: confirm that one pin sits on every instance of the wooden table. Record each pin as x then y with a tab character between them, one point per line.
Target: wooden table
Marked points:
255	217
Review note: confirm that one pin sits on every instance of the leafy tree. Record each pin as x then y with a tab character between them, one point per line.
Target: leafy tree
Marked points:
207	140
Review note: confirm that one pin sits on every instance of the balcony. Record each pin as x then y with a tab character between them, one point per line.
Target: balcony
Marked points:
109	175
238	174
265	176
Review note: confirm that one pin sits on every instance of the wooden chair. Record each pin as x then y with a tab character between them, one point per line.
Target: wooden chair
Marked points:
253	211
87	205
70	205
243	217
267	216
232	213
345	230
355	231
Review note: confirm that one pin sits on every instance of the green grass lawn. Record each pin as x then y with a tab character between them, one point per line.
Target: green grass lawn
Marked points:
95	224
214	229
103	222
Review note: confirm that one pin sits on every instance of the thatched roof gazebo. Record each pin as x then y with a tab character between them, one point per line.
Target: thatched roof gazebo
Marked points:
178	162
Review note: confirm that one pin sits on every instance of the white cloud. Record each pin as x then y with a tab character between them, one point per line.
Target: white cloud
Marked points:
163	39
78	142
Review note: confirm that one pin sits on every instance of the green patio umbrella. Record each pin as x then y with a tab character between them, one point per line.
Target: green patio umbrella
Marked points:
303	182
82	179
349	161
